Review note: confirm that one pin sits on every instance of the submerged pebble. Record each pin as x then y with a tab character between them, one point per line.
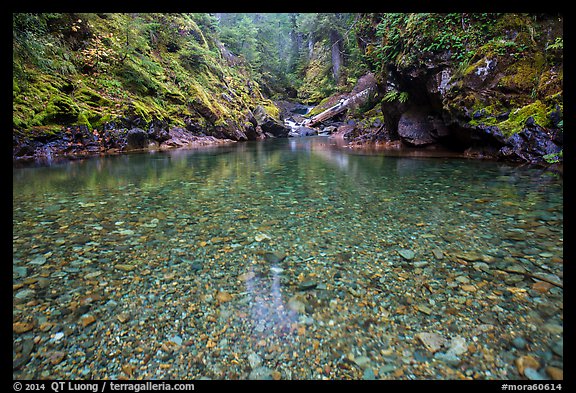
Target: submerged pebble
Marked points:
313	264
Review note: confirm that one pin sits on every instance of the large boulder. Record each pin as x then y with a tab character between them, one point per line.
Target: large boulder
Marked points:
136	138
532	143
304	131
270	125
418	128
158	131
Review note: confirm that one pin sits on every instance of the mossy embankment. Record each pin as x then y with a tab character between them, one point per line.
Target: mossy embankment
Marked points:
119	71
489	84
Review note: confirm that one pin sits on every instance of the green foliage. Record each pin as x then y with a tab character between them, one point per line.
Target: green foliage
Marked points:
557	45
89	69
554	158
394	95
405	39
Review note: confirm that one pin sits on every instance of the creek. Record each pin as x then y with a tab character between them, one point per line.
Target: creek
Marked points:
286	259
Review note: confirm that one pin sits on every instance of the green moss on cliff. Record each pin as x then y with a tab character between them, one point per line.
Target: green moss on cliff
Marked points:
147	66
523	75
515	120
518	117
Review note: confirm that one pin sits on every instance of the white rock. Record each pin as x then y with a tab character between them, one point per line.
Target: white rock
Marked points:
457	346
254	360
432	341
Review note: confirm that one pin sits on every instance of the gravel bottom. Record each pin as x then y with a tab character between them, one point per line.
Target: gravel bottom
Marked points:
147	284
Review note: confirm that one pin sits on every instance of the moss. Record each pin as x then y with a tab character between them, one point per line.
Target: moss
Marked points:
135	75
100	121
15	87
517	119
271	109
550	83
321	107
318	82
59	110
91	98
83	120
523	75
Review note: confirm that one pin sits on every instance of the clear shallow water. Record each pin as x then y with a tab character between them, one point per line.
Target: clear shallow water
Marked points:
287	259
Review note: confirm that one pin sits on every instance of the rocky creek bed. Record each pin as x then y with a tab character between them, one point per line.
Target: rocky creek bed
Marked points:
287	273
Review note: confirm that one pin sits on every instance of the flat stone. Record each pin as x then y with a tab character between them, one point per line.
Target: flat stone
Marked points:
386	369
555	373
368	375
407	254
438	254
176	340
261	237
92	275
534	375
558	348
295	304
87	320
272	257
56	357
246	276
24	295
307	285
125	267
526	362
38	261
457	346
424	309
20	272
482	266
223	297
260	373
123	317
362	361
22	327
254	360
432	341
448	358
470	256
554	329
519	342
516	269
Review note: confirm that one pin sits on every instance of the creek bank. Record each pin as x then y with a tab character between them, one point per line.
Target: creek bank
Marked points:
366	118
124	136
78	142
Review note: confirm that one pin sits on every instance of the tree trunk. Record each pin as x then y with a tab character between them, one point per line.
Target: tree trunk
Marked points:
354	101
337	57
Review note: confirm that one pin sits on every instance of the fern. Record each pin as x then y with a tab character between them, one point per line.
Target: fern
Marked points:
394	95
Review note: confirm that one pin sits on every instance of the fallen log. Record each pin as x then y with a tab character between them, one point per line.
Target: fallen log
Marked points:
355	100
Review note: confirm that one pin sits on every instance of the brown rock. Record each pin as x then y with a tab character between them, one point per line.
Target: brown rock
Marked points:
22	327
541	286
526	361
223	296
123	317
56	357
555	373
87	320
129	369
